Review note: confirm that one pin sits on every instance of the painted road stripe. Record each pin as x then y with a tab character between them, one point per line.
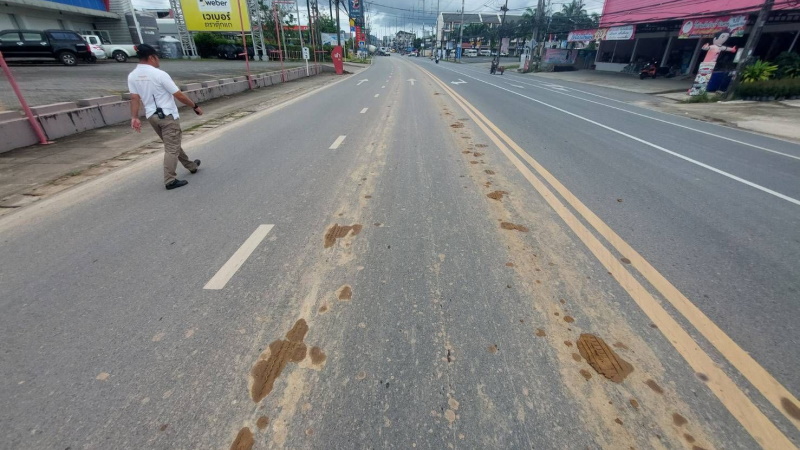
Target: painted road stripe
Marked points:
685	127
649	144
364	111
377	95
726	390
383	87
337	143
221	278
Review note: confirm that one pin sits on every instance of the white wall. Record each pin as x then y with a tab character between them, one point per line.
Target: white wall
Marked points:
39	22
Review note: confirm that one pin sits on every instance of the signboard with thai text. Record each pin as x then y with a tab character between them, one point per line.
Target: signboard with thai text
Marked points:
560	56
623	33
581	35
708	27
215	15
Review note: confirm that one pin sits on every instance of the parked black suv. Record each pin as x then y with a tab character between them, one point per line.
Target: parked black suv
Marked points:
64	45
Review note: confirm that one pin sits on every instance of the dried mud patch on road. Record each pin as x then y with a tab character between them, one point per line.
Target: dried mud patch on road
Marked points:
244	440
603	359
281	352
337	231
497	195
511	226
345	293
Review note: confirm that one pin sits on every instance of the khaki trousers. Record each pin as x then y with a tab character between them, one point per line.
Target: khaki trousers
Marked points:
169	130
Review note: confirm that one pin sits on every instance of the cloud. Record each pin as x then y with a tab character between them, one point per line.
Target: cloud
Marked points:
386	17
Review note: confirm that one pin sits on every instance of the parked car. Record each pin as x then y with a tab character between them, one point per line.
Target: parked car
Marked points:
120	52
470	53
235	51
97	52
63	45
485	52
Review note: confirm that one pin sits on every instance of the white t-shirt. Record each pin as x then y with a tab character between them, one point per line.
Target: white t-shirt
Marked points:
155	87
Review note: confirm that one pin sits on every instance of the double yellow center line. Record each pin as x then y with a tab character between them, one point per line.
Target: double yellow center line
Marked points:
735	400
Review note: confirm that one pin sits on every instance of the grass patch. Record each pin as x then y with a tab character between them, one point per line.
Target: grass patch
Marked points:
511	67
705	97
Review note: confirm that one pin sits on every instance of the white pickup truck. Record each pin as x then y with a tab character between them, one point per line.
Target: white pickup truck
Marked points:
120	53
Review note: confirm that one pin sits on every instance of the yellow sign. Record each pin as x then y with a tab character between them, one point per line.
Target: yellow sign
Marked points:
352	22
215	15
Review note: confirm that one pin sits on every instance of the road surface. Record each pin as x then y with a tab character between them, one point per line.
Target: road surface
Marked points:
431	258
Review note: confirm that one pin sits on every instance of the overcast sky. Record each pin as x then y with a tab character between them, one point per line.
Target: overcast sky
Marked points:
389	16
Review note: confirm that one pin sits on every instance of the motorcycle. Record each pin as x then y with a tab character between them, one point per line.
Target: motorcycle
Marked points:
649	70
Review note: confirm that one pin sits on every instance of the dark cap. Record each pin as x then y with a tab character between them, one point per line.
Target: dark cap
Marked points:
144	51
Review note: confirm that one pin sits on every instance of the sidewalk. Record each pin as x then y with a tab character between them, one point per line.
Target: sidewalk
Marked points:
30	173
625	81
778	119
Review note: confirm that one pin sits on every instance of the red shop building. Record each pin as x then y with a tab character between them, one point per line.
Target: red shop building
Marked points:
672	32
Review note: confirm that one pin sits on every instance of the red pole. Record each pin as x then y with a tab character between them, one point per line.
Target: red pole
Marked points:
36	127
244	44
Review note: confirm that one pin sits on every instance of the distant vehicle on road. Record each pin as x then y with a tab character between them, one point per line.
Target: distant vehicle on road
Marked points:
63	45
120	52
470	53
485	52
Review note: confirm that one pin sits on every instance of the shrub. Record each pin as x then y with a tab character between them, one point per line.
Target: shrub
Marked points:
207	44
758	71
788	65
784	88
705	97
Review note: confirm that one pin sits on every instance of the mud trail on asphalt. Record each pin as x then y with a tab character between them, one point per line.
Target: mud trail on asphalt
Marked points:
615	388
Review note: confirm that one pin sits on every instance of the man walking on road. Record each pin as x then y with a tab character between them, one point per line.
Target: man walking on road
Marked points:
158	92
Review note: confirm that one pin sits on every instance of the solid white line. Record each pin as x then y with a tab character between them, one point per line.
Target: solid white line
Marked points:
559	91
377	95
337	143
363	111
650	144
228	269
383	87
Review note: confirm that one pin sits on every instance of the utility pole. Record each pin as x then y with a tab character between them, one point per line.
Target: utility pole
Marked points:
459	50
752	41
436	47
338	28
537	23
500	33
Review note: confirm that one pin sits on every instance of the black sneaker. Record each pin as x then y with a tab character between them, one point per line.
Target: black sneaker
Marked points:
176	184
197	162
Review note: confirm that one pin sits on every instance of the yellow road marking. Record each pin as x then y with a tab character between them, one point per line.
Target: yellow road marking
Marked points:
729	394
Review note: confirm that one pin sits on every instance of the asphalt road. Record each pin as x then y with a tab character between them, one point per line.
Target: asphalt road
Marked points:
135	317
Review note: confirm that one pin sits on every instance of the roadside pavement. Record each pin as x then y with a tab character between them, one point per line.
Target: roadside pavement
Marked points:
44	83
625	81
28	174
777	119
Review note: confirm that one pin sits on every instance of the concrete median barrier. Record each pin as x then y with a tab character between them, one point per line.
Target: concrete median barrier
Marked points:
66	118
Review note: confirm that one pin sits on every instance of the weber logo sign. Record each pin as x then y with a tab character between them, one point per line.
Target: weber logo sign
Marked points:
215	15
214	5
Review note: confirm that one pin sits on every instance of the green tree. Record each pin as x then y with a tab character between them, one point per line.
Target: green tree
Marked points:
326	24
